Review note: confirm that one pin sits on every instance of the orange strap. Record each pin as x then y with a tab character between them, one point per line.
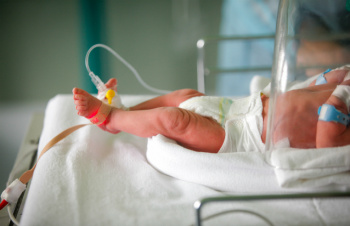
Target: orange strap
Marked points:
26	176
99	118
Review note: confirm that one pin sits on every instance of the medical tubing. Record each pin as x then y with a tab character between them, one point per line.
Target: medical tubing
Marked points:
128	65
12	217
98	82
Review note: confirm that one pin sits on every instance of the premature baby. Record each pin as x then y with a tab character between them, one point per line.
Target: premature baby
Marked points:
216	124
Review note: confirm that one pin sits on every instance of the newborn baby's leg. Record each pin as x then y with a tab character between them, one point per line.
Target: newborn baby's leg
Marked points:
88	106
333	134
187	128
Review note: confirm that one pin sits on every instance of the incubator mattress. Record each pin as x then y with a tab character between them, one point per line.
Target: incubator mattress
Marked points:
96	178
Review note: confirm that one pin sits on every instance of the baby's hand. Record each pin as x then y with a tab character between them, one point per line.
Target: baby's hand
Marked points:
333	134
112	84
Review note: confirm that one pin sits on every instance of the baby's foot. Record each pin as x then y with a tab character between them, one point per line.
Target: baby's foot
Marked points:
330	133
88	106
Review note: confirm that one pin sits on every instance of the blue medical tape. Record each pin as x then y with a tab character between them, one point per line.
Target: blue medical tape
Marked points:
329	113
321	79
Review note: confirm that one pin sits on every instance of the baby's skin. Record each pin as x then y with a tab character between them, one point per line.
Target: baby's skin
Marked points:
296	117
160	115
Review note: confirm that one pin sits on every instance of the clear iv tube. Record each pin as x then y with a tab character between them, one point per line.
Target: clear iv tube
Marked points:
96	80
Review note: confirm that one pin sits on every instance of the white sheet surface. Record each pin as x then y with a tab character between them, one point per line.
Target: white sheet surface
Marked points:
96	178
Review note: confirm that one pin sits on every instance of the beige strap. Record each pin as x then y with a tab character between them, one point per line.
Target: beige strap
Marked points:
26	176
102	114
99	118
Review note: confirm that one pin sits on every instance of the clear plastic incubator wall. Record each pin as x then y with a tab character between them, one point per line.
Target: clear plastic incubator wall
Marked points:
312	53
312	42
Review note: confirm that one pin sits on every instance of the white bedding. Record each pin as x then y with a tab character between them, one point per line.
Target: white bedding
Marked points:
96	178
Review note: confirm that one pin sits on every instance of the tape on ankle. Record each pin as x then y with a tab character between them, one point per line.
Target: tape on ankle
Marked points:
343	93
329	113
102	114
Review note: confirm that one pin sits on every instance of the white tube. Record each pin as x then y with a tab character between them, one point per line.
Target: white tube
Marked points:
131	68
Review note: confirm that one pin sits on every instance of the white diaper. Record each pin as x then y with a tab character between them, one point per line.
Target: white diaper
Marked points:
241	119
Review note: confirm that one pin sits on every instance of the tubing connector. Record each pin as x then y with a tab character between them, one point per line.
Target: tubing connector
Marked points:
12	193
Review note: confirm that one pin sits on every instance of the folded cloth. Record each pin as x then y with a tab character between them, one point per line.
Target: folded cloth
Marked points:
312	167
252	171
279	170
239	171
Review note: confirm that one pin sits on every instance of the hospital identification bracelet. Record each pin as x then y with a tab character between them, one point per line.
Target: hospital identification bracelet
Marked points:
329	113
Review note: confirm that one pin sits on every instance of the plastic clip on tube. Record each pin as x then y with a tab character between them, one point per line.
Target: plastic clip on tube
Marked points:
97	82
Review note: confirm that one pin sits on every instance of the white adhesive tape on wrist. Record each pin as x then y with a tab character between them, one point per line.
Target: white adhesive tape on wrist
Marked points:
13	191
343	93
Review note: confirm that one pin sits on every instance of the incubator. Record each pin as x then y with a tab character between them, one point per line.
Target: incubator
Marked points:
311	44
312	41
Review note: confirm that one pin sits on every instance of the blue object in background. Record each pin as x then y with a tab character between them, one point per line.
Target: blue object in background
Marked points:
245	18
93	31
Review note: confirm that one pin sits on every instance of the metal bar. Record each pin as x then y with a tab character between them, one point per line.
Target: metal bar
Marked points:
341	36
216	70
198	205
224	38
200	66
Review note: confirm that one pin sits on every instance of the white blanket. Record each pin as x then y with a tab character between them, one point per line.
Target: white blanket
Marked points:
96	178
272	171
